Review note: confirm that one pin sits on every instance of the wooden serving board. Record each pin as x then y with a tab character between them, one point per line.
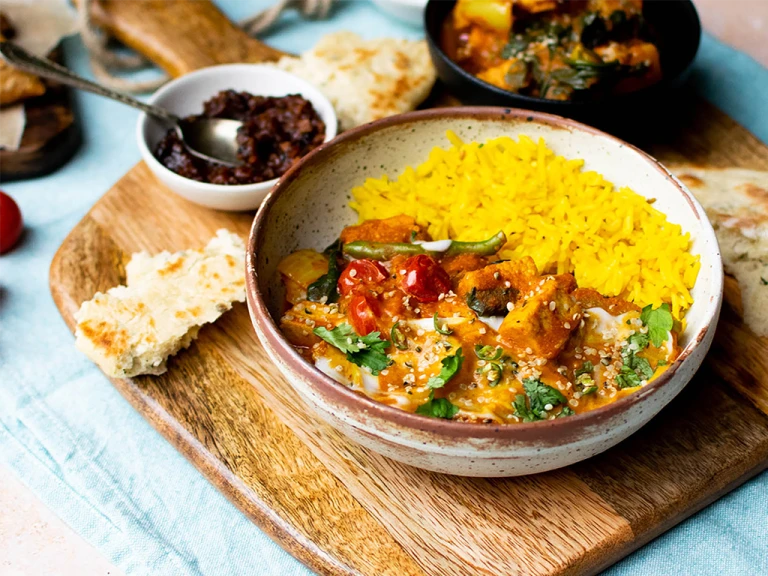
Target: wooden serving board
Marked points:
344	510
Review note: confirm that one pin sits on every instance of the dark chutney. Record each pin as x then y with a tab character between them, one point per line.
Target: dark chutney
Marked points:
276	133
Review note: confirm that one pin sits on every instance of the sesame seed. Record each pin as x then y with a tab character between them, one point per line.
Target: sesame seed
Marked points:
482	330
418	310
573	402
548	407
529	350
496	275
510	306
567	326
384	372
507	284
552	305
352	273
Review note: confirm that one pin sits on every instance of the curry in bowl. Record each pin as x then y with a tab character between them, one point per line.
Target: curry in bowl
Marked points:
576	50
515	326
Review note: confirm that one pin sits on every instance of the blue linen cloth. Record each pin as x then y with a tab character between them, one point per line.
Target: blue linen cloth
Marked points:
81	448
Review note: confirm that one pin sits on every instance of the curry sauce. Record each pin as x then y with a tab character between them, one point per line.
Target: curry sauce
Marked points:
446	329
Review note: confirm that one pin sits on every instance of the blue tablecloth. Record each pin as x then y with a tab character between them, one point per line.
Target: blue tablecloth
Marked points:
68	434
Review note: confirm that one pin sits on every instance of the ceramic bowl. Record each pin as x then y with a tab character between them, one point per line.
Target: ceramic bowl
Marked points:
309	207
677	31
185	96
408	11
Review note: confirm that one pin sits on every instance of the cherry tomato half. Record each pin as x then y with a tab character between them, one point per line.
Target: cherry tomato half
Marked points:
359	273
10	222
424	278
363	310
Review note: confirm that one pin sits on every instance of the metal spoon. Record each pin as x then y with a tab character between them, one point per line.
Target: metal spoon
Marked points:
212	139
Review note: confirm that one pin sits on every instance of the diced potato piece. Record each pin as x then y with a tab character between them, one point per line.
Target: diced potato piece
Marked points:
492	14
395	229
496	285
299	270
541	324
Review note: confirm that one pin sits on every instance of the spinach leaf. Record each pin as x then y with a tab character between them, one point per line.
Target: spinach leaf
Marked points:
325	286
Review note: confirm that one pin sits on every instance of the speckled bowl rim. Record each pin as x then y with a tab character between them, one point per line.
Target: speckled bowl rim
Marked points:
544	430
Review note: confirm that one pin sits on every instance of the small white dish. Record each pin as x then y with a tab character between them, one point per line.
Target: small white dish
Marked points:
409	11
185	96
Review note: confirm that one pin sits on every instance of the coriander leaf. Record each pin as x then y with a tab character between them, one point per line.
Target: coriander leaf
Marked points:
374	360
540	396
450	366
342	337
627	378
659	322
437	408
522	411
325	286
566	411
642	367
639	339
365	351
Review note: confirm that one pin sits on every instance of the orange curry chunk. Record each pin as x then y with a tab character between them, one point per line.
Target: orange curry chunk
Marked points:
489	290
542	320
459	265
395	229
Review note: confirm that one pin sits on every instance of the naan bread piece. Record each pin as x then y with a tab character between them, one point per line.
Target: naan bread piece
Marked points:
736	201
16	85
133	329
366	79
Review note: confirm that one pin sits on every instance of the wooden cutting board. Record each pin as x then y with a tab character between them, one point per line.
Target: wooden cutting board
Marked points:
344	510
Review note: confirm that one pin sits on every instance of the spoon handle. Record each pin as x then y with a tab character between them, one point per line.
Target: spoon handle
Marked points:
20	58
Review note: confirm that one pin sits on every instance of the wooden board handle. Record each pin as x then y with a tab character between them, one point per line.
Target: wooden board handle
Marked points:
180	35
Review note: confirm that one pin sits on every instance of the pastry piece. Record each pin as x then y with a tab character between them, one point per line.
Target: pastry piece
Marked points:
366	79
133	329
736	201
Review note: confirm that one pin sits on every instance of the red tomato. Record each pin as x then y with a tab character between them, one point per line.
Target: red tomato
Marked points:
424	278
10	222
359	273
363	310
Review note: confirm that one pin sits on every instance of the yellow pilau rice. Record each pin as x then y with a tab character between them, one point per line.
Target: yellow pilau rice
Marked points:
566	219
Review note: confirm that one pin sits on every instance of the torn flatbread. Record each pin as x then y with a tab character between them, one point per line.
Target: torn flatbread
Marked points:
366	80
133	329
736	201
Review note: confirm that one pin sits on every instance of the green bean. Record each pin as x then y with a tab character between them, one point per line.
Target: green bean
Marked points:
381	250
385	251
485	248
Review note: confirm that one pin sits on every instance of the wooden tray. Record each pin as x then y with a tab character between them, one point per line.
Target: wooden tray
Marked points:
344	510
